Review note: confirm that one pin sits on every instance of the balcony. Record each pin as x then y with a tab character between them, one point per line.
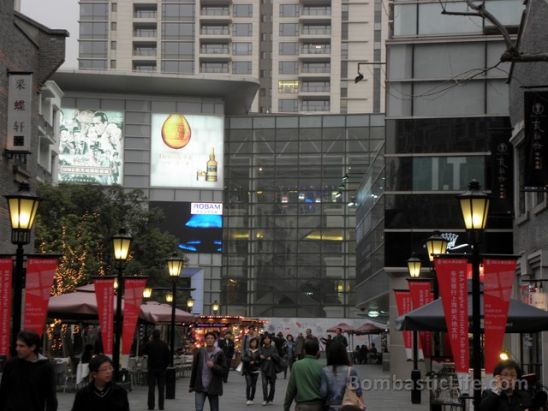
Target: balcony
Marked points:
145	51
314	88
145	14
315	69
144	66
315	50
316	3
215	3
215	51
215	68
215	32
315	14
315	105
145	31
215	14
315	31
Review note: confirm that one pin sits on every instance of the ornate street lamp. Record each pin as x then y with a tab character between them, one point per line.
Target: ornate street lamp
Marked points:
414	269
474	206
147	292
190	303
22	208
121	244
175	266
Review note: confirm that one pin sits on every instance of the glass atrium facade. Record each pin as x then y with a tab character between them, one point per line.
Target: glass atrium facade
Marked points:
289	223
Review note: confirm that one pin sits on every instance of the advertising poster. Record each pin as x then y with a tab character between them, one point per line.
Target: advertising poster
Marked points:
104	294
6	266
404	305
39	279
197	226
90	147
133	295
186	151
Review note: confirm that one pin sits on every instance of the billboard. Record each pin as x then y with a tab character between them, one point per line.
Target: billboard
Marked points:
186	151
198	226
90	146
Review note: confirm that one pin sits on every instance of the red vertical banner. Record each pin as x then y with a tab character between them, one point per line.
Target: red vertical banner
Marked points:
39	279
497	289
133	294
6	268
104	293
404	305
421	294
452	273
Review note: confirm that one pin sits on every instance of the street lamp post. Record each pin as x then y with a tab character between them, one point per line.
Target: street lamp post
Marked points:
175	265
474	206
121	244
22	208
215	307
414	269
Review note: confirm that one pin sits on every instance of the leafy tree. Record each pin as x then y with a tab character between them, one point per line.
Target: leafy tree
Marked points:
78	222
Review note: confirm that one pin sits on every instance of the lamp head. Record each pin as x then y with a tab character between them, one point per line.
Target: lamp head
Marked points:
169	298
121	244
474	205
215	307
22	207
147	292
190	302
435	245
175	265
414	266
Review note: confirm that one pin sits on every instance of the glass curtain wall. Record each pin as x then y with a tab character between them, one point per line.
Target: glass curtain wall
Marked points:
289	234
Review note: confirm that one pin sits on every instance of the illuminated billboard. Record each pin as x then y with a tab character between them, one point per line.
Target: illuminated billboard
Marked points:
197	226
90	146
186	151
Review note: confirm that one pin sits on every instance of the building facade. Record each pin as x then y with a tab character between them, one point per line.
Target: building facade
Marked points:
305	53
447	123
528	87
31	52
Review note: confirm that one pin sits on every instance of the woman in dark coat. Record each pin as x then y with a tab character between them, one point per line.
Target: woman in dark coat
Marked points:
505	394
251	359
101	393
269	358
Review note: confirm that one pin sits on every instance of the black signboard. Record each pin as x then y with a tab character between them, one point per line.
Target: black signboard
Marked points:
536	141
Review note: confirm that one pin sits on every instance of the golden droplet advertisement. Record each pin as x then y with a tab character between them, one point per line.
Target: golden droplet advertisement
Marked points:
176	131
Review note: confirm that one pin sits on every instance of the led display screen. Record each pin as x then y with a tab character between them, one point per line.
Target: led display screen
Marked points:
197	226
90	146
186	151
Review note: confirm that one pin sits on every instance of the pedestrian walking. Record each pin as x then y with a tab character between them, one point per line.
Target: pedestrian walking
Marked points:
305	380
227	345
251	369
269	360
28	380
310	336
206	378
336	375
101	393
299	347
251	333
291	348
158	355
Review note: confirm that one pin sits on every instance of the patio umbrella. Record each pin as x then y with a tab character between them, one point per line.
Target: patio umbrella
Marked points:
343	326
522	318
155	312
370	327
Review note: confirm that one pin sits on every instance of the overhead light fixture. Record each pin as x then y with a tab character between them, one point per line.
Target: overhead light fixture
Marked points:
338	195
373	313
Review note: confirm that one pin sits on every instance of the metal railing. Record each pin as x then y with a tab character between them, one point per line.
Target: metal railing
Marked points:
144	14
314	106
323	68
215	11
214	50
316	30
145	33
316	11
315	50
205	68
312	88
144	51
215	30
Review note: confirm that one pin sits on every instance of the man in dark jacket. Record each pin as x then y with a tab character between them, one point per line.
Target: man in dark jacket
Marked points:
158	360
208	369
226	343
28	381
339	338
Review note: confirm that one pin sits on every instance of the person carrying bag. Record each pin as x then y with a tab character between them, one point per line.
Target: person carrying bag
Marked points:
351	400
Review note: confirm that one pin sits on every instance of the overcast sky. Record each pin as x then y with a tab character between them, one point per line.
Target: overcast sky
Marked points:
57	14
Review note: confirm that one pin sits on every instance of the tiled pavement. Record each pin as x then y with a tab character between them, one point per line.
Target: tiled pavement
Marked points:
234	395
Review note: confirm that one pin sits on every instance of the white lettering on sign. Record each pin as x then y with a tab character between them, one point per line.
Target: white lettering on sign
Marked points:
206	208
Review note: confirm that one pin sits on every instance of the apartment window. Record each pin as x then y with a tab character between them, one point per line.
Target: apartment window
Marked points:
172	49
242	10
316	68
185	67
114	7
344	69
214	68
241	67
289	10
144	11
286	105
85	64
93	49
113	45
178	12
93	30
242	29
344	51
288	86
288	49
113	26
288	67
213	48
215	30
288	29
344	92
144	49
315	86
215	11
344	31
112	64
177	30
90	11
142	66
242	49
315	105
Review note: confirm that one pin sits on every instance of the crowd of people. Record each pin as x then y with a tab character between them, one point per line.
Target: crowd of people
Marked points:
28	379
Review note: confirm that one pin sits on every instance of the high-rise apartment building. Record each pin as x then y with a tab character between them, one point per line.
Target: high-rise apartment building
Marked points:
304	52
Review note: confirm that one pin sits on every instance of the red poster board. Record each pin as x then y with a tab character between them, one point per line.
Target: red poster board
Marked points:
39	279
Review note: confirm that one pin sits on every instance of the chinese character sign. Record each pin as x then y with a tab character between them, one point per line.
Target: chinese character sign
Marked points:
19	112
536	127
451	274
